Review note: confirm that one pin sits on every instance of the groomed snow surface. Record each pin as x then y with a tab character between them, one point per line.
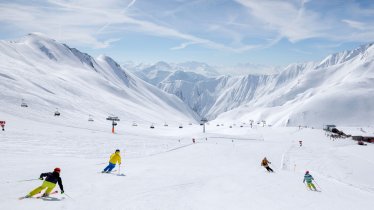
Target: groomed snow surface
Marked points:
161	172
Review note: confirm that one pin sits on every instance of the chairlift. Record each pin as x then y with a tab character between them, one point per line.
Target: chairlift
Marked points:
57	113
112	118
134	124
165	124
180	126
23	104
114	121
90	119
152	126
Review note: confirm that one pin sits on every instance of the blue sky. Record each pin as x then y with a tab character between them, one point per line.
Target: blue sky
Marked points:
218	32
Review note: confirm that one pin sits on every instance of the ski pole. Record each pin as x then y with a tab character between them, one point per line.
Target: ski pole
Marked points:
27	180
69	196
317	184
119	169
100	163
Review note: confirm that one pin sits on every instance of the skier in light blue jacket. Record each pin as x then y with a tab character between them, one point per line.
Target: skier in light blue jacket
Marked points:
309	178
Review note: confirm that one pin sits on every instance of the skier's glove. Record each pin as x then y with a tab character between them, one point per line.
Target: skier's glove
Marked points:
62	192
41	178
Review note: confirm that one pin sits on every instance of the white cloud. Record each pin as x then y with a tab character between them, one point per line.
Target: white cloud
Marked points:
355	24
244	26
182	46
85	21
294	20
288	18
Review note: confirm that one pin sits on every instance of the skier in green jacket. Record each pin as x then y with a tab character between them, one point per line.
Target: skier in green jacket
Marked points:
309	178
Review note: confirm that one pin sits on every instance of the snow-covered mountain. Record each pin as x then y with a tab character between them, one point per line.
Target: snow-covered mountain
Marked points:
158	72
339	89
248	68
50	75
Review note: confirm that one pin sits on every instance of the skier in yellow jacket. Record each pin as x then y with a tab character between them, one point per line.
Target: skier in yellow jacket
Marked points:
114	159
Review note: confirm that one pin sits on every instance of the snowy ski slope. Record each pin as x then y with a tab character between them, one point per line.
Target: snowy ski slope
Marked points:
222	172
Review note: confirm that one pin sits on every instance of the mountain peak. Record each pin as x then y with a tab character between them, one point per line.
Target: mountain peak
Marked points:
104	57
108	60
344	56
36	37
162	64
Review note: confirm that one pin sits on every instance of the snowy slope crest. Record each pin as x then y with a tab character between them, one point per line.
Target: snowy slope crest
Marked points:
50	75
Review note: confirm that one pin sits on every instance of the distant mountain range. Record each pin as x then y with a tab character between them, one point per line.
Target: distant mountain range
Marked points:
338	89
49	75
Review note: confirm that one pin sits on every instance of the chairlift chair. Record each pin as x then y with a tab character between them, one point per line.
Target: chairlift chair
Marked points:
23	104
112	118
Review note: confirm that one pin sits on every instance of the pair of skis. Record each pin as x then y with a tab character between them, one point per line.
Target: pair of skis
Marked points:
40	196
315	190
112	172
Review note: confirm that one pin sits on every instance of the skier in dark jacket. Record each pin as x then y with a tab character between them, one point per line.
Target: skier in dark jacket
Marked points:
2	124
265	163
50	182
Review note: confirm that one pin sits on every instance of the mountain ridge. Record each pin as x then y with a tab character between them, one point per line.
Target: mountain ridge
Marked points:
225	93
50	75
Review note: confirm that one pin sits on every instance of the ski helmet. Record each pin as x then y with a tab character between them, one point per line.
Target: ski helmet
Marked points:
58	170
306	172
117	150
